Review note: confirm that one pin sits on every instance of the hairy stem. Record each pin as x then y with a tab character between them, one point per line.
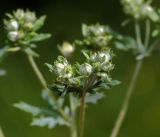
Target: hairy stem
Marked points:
73	128
44	83
82	114
126	102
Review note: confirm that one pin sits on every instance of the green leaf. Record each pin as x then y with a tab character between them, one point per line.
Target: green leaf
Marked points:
28	108
31	52
94	98
152	14
49	66
35	111
2	72
50	122
3	52
40	37
39	23
47	98
114	82
125	43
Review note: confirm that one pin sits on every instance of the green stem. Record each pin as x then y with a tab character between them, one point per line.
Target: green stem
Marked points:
82	114
153	45
138	36
147	37
73	128
127	98
44	84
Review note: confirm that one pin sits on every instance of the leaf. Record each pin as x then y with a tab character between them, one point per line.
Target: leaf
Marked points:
49	66
47	98
1	133
2	72
28	108
94	98
39	23
40	37
31	52
50	122
3	52
114	82
152	14
125	43
35	111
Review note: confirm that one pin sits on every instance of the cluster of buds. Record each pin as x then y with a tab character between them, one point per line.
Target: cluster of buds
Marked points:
95	36
93	73
21	28
140	9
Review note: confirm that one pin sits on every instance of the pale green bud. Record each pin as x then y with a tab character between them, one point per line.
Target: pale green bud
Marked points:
13	35
85	69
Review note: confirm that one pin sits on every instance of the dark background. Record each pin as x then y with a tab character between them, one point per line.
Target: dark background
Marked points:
64	22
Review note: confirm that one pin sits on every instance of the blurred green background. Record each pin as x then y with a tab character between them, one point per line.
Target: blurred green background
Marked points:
64	22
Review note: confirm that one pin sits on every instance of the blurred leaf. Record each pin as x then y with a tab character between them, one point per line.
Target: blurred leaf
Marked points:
39	23
1	133
94	98
31	52
47	98
2	72
35	111
125	44
40	37
50	122
114	82
152	14
3	52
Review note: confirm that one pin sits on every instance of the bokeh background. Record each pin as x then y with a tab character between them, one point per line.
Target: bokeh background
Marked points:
64	22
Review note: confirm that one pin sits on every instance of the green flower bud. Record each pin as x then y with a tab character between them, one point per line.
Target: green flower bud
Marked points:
19	14
13	36
12	25
29	17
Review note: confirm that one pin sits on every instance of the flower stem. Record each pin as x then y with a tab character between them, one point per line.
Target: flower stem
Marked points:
73	128
127	98
44	84
138	36
82	114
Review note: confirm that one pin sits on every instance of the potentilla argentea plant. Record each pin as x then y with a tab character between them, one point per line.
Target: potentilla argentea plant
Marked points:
81	82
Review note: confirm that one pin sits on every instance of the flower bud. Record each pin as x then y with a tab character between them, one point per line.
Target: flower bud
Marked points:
105	55
19	14
67	49
85	69
12	25
13	36
30	17
59	67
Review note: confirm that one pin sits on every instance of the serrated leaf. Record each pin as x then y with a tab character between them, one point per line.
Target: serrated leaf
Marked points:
39	23
40	37
94	98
